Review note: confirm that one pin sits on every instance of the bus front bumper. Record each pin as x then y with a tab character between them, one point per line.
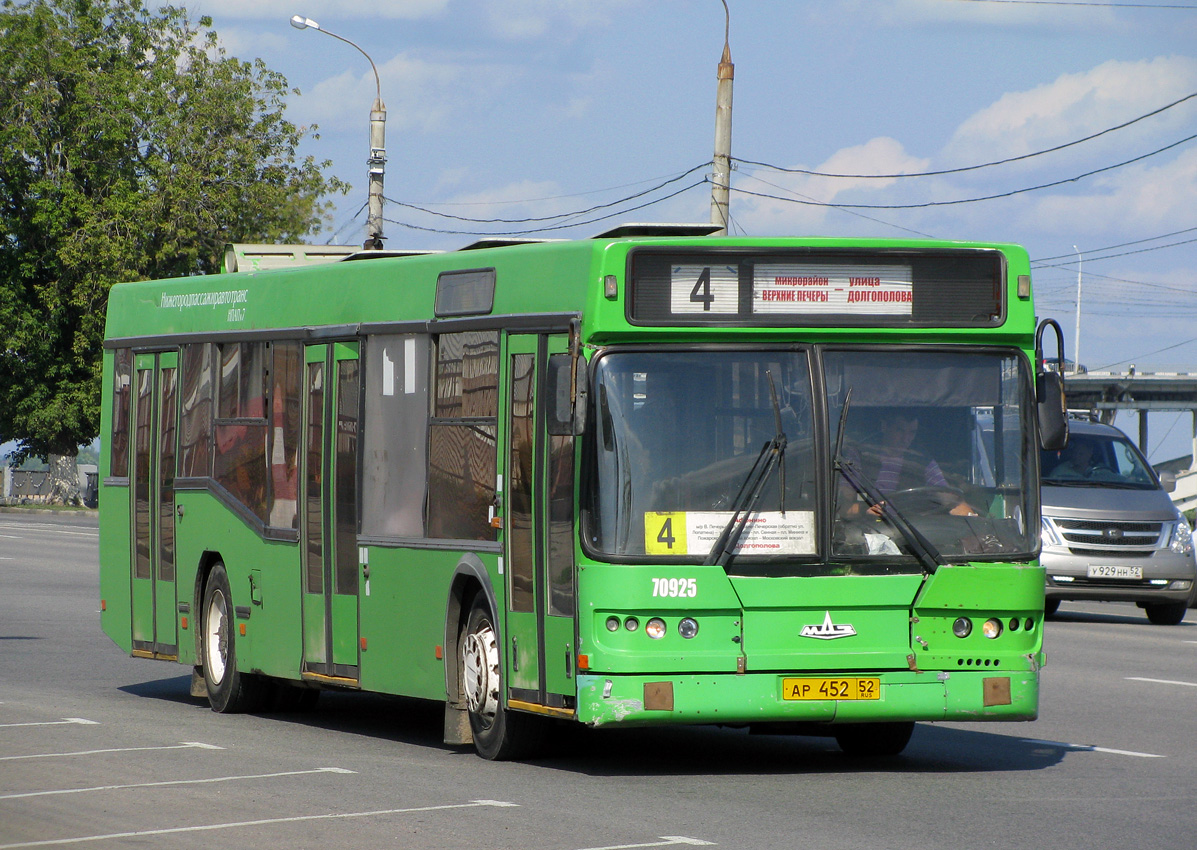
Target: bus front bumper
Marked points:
733	699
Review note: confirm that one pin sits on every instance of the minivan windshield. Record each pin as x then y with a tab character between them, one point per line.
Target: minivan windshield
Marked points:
1097	460
683	439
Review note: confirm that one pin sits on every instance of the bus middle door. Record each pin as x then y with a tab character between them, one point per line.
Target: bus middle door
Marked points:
328	525
155	412
540	617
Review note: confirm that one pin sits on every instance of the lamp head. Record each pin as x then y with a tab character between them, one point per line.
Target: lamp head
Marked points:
302	23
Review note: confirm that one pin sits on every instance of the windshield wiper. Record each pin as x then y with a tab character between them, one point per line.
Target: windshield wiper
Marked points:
772	454
922	548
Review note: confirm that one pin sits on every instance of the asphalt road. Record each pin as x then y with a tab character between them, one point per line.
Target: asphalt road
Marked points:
99	750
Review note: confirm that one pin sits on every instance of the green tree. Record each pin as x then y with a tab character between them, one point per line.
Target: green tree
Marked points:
131	148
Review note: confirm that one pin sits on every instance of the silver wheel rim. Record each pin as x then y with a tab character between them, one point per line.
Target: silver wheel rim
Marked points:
480	662
216	641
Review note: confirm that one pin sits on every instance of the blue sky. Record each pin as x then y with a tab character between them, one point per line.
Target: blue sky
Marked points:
515	109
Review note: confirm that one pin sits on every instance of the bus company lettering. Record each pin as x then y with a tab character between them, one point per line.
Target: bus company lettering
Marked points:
224	298
203	299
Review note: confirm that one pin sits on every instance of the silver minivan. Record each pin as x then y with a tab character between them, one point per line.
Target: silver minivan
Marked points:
1110	531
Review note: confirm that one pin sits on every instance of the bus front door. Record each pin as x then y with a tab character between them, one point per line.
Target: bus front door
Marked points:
539	550
328	525
155	414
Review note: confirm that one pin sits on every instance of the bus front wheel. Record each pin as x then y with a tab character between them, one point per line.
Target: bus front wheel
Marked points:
229	690
498	733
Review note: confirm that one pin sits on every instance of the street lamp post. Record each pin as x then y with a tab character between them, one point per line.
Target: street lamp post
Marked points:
378	153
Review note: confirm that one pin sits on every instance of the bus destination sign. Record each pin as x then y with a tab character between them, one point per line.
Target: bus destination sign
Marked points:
962	288
810	288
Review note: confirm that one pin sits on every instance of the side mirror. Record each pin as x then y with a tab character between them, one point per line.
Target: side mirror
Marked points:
1052	410
565	395
1049	392
1168	481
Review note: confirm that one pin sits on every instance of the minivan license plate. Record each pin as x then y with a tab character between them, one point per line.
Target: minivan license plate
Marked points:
847	687
1106	571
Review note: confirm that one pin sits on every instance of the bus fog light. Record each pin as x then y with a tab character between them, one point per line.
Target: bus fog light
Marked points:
631	624
612	624
963	627
687	628
991	628
655	628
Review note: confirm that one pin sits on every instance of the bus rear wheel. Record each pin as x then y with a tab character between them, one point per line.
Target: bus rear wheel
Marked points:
229	690
874	739
498	733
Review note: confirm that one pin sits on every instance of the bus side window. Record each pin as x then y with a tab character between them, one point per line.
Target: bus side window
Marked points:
239	462
462	436
122	360
395	435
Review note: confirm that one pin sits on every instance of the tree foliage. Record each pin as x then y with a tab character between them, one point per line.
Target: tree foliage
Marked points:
131	148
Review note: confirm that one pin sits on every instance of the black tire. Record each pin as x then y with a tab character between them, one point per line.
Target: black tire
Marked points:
1050	607
874	739
1166	613
229	690
499	734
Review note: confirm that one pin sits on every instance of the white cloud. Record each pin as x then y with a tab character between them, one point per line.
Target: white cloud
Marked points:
881	155
1075	105
322	11
529	19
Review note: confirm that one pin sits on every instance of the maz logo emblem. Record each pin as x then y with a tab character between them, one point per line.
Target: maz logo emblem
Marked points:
828	630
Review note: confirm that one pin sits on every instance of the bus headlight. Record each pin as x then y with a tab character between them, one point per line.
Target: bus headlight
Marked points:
963	627
991	628
655	628
688	628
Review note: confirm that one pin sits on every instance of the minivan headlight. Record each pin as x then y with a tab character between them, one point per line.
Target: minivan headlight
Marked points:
1182	537
1048	533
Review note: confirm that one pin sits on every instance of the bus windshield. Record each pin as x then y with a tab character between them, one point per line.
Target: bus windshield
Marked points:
938	441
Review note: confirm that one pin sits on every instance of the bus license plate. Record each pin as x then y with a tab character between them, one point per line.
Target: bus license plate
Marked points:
837	688
1104	571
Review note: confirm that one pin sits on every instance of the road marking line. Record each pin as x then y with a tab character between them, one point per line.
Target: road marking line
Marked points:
66	721
666	841
1092	749
181	746
1162	681
112	836
174	782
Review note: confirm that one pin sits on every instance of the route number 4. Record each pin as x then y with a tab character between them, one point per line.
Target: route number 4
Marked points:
701	293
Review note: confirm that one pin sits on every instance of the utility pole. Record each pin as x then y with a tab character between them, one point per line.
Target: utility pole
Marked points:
721	172
376	164
1076	345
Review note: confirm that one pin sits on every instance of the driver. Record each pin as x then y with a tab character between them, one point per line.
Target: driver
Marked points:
892	464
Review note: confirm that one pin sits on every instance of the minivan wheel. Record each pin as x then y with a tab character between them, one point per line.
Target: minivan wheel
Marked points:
1166	613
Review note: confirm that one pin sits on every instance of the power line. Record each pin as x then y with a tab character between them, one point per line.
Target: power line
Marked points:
997	196
1120	245
557	216
968	167
1083	3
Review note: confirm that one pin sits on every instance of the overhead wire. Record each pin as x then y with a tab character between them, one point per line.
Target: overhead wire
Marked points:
964	168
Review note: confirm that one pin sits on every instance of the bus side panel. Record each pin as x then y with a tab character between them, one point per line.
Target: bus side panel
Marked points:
116	615
264	578
403	619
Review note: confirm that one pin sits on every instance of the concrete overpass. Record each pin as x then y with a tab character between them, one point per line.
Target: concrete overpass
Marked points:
1104	393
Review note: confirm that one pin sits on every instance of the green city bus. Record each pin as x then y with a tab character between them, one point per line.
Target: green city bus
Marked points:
654	477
